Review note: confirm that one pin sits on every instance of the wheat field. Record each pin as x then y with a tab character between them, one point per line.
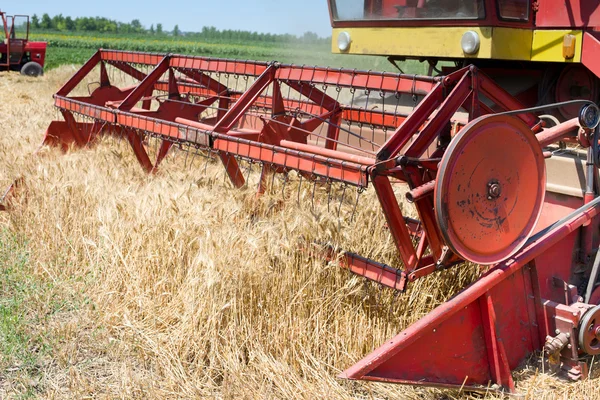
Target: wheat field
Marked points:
117	284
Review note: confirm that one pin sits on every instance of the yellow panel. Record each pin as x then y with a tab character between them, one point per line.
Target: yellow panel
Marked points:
444	42
511	44
416	42
548	45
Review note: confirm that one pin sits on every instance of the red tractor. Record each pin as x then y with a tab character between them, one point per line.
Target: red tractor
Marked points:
17	53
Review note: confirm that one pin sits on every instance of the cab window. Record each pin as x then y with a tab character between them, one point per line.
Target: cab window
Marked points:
513	10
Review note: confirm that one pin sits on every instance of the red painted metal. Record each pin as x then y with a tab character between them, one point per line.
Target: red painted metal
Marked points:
590	52
567	14
558	132
431	351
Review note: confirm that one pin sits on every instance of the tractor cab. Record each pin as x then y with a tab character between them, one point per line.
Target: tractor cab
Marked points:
17	53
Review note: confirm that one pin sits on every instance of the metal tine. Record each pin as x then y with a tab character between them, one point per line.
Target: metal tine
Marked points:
329	190
226	169
248	171
344	186
272	186
299	189
313	194
359	191
284	183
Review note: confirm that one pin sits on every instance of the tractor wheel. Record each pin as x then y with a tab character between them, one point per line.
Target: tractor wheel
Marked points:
32	69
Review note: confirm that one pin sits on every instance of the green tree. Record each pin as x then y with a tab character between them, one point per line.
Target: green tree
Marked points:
136	26
46	22
35	22
58	22
70	24
176	31
152	29
159	30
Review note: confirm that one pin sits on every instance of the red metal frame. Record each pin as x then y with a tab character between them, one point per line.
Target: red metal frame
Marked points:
283	143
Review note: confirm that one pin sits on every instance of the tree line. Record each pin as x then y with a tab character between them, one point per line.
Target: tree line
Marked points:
208	33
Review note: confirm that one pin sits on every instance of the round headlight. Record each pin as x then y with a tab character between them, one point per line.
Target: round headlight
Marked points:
589	116
470	42
343	41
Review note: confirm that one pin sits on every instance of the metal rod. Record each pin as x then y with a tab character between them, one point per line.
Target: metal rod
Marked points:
419	192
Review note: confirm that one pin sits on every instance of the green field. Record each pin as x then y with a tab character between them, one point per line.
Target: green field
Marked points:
76	48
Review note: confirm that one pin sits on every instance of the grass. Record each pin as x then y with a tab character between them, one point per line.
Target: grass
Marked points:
176	286
21	347
73	48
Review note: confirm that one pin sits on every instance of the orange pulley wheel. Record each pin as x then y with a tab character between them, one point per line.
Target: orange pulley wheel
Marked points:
490	189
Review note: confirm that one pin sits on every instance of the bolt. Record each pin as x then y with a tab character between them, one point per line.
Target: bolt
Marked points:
568	335
494	190
557	331
569	346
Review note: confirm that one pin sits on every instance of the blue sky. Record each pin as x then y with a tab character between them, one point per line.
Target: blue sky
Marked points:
275	16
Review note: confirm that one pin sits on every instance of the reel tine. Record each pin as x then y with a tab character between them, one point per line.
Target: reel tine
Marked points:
284	183
313	195
329	190
273	173
358	193
344	186
299	190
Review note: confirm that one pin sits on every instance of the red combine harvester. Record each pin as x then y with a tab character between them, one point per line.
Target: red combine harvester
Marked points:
490	181
17	53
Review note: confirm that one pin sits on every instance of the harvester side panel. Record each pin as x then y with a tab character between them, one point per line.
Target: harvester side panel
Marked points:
475	339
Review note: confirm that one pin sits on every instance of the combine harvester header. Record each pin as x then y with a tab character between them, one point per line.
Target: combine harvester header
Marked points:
485	185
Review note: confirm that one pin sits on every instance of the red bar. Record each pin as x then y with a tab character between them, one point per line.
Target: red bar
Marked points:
343	171
131	57
438	119
145	85
245	101
554	134
411	124
372	270
395	221
338	155
419	192
368	80
79	75
80	107
251	68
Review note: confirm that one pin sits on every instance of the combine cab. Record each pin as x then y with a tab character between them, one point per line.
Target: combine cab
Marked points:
542	51
17	53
